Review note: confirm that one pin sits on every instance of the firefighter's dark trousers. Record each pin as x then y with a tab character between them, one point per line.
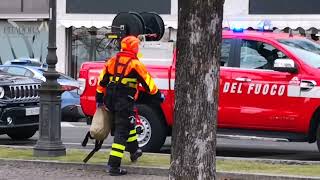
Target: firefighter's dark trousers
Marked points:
125	136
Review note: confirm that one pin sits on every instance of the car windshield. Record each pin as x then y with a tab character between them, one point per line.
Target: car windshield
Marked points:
26	62
311	58
305	44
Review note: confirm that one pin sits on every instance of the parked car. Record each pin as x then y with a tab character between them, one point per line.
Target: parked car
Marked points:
70	99
26	61
19	106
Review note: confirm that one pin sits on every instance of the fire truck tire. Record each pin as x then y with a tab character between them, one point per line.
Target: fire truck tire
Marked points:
318	137
154	129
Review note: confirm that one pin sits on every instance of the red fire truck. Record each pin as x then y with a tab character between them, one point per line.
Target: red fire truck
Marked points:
269	87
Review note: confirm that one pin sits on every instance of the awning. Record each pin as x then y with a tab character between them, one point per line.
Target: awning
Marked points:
84	23
99	23
305	24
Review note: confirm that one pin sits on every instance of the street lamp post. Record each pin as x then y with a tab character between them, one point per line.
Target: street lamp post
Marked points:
49	143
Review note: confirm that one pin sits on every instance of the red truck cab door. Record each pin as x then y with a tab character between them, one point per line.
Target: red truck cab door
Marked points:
259	92
225	108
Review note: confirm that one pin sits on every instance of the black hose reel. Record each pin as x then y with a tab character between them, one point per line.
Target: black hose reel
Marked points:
146	24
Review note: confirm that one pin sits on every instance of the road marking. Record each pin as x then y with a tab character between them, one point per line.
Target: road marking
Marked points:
251	138
75	124
66	124
65	143
88	144
17	146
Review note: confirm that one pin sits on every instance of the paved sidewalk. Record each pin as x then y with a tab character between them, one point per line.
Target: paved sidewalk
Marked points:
34	172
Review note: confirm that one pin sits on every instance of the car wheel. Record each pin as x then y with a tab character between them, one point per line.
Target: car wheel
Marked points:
154	130
21	134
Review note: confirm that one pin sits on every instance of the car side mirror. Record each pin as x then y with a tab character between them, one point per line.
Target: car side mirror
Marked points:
285	65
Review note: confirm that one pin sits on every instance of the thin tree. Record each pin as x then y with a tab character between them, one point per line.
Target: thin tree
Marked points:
196	90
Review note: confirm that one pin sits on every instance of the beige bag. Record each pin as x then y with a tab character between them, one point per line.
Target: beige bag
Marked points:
99	130
100	126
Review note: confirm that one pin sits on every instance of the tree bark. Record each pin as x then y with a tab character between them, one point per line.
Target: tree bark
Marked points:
199	37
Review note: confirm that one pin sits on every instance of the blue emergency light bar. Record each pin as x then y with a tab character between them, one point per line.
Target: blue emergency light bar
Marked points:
237	29
264	25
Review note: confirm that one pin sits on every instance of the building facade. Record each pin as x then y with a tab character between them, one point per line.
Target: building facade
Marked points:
293	14
82	25
23	29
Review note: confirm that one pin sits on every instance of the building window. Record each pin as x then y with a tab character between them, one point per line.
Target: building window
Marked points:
114	7
91	44
23	40
284	7
88	44
24	6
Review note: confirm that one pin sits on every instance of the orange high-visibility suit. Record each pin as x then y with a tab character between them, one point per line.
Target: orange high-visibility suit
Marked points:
116	88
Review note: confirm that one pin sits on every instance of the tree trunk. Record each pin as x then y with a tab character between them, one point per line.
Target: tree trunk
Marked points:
199	35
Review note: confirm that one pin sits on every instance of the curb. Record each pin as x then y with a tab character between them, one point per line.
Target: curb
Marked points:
270	161
258	176
156	171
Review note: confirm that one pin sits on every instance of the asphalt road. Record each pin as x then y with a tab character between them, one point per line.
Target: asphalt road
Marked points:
73	134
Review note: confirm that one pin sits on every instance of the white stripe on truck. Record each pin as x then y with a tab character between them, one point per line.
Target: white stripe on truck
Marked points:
163	84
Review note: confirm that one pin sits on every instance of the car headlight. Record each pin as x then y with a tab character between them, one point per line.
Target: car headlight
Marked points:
1	92
43	79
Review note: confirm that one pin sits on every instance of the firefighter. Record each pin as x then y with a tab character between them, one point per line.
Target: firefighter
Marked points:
116	89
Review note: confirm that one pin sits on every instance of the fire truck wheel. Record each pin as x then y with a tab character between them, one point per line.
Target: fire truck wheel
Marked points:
318	137
154	131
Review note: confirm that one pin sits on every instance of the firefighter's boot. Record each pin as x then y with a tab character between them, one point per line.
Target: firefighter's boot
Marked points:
134	156
117	171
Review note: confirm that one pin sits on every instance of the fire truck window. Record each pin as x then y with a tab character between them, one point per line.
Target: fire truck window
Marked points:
225	52
258	55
